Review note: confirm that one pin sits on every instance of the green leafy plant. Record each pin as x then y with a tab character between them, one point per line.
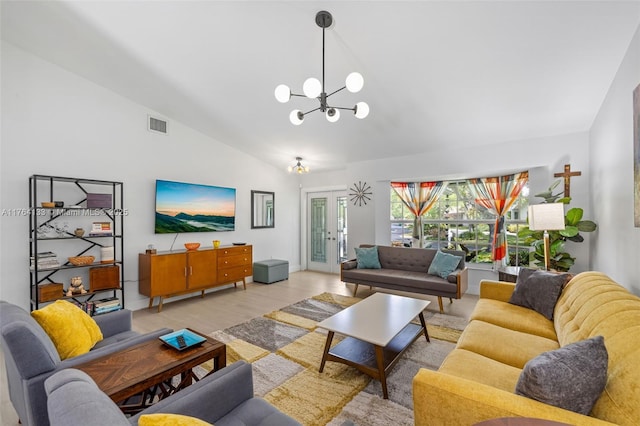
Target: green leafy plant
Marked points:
559	258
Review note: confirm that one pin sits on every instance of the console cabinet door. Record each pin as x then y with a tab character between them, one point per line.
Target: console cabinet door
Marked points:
166	274
201	268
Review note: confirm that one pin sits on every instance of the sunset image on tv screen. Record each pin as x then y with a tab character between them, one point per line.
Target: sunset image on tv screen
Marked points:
188	207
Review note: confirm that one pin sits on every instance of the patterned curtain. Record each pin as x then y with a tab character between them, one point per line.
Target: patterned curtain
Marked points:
498	194
419	197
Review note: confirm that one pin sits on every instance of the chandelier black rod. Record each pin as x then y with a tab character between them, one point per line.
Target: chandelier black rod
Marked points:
336	91
345	108
323	28
315	109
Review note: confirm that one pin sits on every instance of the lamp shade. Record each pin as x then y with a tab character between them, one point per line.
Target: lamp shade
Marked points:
546	217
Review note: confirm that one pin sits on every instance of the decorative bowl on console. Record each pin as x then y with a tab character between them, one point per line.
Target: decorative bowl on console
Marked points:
191	246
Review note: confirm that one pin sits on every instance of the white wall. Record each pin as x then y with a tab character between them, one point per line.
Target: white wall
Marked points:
615	248
57	123
542	157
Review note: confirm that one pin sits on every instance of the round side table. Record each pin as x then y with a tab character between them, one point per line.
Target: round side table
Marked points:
508	273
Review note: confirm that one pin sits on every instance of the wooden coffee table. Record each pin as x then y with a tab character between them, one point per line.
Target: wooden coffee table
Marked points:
147	369
379	330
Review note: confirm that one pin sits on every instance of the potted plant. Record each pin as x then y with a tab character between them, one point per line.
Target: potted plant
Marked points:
559	259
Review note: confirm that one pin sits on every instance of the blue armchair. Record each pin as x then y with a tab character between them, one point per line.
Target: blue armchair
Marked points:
30	356
224	398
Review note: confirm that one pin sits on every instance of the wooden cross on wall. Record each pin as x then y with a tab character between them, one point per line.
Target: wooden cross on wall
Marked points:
567	174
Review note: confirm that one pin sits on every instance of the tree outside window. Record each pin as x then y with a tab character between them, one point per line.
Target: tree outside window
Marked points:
458	222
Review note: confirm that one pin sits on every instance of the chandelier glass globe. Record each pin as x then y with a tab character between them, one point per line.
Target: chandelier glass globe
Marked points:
354	82
333	115
296	117
362	110
312	88
283	93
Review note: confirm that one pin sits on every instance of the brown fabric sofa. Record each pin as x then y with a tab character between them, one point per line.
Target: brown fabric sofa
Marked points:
405	269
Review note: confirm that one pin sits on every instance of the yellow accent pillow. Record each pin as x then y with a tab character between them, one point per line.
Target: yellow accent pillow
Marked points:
162	419
72	330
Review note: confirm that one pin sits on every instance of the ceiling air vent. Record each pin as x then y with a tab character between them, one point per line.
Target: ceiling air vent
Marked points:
157	125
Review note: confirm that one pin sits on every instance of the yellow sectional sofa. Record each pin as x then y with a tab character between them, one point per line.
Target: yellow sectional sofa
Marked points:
478	378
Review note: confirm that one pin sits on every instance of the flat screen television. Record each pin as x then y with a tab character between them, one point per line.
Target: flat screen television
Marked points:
188	207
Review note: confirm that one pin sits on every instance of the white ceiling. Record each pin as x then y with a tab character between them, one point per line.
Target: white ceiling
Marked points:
437	73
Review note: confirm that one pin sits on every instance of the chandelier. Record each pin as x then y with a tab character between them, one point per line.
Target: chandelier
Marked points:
315	89
298	167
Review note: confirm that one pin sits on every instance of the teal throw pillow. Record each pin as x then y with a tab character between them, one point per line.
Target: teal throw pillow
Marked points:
368	258
443	264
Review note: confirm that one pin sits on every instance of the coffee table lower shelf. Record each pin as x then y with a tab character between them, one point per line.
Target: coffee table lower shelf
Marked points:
373	360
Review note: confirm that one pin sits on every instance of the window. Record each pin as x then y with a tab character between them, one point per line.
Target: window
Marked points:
457	222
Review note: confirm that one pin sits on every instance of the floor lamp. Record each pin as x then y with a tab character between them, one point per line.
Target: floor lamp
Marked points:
546	217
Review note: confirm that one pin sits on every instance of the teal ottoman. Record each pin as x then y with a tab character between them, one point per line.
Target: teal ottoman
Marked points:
270	271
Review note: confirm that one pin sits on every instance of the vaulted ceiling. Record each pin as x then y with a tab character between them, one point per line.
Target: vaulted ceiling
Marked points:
437	73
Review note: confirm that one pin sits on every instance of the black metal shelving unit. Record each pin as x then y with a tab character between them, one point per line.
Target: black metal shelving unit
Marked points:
73	192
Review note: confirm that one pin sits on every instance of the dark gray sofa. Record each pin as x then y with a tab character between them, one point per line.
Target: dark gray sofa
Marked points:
30	356
405	269
224	398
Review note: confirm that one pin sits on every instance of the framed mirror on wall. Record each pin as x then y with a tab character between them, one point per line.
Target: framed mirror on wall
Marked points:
262	209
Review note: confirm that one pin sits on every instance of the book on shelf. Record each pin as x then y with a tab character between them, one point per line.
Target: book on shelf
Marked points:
45	266
85	306
104	303
97	311
46	254
90	307
101	229
45	260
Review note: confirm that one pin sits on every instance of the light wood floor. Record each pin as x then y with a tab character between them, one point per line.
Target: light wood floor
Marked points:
230	306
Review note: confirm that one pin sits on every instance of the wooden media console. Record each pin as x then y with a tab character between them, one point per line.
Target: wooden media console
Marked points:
168	274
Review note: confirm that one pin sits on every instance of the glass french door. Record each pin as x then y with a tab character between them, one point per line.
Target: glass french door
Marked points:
327	230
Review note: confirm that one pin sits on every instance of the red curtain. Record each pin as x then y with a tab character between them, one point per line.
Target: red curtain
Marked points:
419	197
498	194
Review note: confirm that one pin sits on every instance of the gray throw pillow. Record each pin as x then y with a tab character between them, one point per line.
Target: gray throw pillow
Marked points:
538	290
572	377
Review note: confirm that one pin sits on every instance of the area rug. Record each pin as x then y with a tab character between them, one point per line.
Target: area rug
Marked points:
285	348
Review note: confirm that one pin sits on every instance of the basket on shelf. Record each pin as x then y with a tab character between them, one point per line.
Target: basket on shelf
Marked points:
81	260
